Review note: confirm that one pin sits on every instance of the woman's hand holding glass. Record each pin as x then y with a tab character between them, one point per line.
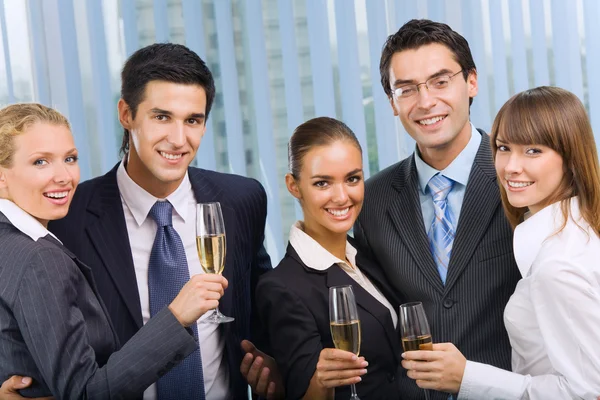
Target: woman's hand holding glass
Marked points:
439	369
339	368
198	296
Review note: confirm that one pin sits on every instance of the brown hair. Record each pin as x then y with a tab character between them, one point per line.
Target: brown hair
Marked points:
555	118
420	32
316	132
16	119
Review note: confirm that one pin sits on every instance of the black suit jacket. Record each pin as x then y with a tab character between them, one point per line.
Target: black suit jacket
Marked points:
95	230
294	308
482	274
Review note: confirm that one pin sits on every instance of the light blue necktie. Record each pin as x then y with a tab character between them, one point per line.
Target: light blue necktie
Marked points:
441	233
167	273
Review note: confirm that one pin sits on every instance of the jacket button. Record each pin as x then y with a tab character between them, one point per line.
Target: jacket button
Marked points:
448	303
178	357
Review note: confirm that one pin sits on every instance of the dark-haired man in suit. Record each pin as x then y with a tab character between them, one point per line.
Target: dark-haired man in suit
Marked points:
434	221
114	223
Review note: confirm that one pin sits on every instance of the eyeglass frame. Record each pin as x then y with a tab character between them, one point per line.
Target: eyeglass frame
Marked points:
417	85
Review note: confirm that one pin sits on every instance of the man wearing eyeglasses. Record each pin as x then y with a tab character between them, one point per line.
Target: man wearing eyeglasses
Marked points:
434	221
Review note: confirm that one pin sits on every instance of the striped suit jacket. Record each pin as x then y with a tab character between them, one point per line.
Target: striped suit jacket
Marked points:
54	328
482	273
95	230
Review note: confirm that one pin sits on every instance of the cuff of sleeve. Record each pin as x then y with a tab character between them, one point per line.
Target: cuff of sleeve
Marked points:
482	381
181	338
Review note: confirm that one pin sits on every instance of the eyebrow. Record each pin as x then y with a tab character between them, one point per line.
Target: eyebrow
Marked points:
169	113
500	140
353	172
400	82
46	153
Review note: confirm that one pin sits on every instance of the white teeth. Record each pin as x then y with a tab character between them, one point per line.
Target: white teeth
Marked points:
338	213
57	195
431	121
170	156
518	184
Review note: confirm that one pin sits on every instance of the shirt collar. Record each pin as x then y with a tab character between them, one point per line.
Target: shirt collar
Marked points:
458	170
139	201
23	221
531	234
313	254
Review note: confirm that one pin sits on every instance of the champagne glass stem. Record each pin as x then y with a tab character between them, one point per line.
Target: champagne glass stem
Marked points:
354	395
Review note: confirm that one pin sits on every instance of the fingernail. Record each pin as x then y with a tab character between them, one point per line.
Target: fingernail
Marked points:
358	379
402	355
25	380
354	358
363	371
364	364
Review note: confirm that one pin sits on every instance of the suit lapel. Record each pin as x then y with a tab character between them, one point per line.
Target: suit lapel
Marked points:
89	276
206	192
375	274
337	277
405	212
108	234
482	198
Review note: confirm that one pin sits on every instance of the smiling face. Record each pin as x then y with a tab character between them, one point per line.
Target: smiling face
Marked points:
164	135
44	173
437	120
330	188
531	174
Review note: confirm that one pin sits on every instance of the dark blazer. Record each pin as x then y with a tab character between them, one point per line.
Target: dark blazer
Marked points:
482	274
294	308
54	328
95	230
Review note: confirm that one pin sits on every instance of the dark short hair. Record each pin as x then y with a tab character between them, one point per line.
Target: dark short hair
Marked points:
313	133
167	62
420	32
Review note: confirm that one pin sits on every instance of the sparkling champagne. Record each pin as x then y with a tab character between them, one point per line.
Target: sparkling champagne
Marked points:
211	251
346	335
419	343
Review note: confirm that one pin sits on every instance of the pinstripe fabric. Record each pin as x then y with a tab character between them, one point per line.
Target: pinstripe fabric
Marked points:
482	273
54	328
95	231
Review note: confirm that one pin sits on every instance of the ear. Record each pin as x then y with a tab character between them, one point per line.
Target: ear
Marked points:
2	178
472	83
292	186
125	115
393	104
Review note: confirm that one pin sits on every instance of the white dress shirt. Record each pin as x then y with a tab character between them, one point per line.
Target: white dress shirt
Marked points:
141	229
316	257
23	221
552	319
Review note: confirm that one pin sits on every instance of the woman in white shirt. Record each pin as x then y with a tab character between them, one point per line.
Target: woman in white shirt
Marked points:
326	177
547	167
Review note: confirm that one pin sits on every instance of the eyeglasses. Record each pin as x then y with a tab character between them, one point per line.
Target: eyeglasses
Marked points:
435	84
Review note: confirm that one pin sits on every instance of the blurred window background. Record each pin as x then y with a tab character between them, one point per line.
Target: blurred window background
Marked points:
278	63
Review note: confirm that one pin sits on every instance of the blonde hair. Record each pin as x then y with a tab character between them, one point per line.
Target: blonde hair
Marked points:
555	118
16	119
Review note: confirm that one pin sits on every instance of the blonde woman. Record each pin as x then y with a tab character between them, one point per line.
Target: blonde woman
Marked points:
53	326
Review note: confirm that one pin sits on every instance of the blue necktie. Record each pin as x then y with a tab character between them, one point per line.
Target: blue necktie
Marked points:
441	233
167	273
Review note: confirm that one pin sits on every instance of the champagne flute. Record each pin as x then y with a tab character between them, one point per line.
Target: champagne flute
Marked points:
210	242
344	323
414	329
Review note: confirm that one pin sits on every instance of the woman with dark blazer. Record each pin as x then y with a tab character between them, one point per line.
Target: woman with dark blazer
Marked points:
326	177
53	325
